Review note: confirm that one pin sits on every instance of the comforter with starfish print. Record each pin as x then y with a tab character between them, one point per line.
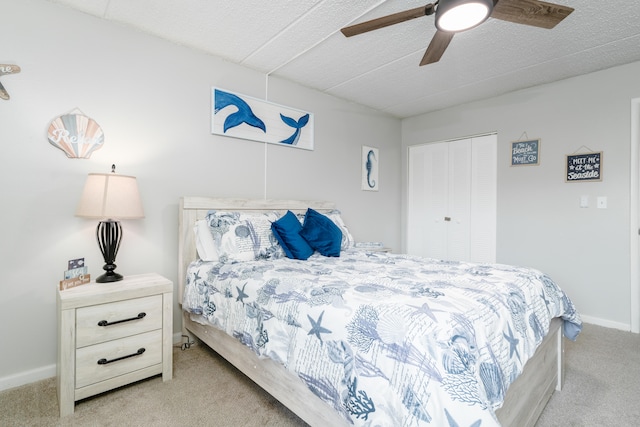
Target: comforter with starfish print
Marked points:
387	339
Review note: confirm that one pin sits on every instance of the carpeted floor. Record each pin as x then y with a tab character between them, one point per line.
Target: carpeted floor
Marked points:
602	388
602	382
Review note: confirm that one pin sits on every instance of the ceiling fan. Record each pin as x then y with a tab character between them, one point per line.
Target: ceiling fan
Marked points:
453	16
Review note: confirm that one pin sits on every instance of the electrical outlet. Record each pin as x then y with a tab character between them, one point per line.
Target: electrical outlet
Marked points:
602	202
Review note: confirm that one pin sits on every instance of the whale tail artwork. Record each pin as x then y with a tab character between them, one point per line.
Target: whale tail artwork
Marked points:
297	125
239	116
243	115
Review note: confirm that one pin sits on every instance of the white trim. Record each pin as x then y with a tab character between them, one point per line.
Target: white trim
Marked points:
634	226
27	377
605	323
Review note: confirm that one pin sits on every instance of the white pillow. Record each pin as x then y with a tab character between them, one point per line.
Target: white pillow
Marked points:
205	244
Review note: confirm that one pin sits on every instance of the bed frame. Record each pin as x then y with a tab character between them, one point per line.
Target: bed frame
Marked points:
524	401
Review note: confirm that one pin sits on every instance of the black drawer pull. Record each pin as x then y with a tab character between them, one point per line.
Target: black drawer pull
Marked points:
105	323
137	353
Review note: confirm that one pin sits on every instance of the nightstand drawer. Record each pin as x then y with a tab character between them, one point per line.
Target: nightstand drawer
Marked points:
120	319
113	358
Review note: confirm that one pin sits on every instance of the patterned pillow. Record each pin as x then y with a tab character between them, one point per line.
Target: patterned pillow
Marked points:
241	236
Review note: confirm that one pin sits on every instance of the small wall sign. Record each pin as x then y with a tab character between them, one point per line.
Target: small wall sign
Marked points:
6	69
75	134
525	153
584	167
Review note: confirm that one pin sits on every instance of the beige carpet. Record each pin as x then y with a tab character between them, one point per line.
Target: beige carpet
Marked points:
602	389
230	399
602	382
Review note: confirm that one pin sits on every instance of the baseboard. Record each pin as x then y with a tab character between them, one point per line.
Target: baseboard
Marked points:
27	377
606	323
39	374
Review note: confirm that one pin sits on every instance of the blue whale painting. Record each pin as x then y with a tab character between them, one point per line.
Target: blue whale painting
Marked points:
243	115
259	120
297	125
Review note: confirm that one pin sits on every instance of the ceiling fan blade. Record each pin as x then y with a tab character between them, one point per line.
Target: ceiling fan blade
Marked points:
531	12
436	48
385	21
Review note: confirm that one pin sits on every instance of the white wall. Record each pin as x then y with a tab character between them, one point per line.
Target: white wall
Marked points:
152	99
540	223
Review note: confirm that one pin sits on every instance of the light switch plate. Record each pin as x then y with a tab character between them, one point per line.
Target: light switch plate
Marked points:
584	201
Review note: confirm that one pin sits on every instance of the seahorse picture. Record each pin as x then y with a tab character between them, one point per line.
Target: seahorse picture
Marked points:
370	166
244	117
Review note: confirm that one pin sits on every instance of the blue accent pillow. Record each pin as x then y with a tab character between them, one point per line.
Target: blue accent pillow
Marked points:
287	231
321	233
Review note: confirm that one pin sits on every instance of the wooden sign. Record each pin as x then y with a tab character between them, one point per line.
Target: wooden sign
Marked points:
75	281
584	167
6	69
525	152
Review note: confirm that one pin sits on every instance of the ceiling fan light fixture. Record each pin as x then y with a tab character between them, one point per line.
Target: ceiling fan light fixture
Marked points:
460	15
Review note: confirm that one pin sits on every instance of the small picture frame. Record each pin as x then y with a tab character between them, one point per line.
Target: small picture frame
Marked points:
370	167
525	153
584	167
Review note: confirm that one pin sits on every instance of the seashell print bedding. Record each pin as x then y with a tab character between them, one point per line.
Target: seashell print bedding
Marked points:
387	339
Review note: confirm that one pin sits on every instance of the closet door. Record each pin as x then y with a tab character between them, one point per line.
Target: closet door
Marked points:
458	216
484	197
452	200
428	200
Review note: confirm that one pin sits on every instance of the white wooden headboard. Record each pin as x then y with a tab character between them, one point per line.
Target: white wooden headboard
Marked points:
193	208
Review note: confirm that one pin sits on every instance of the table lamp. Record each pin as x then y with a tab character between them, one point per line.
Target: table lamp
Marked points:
110	197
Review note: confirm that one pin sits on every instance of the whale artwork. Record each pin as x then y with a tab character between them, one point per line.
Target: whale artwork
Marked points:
244	117
242	114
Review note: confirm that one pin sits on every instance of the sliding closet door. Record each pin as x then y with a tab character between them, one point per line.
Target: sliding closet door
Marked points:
452	200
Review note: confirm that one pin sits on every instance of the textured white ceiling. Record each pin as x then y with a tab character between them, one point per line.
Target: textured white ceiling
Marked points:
301	41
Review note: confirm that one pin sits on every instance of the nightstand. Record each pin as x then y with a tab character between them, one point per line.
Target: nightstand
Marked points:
112	334
371	247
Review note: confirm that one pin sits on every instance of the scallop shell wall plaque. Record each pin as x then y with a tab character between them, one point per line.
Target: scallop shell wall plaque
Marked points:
76	134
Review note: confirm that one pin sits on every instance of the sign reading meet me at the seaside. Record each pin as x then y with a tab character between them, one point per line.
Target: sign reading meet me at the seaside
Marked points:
525	152
584	167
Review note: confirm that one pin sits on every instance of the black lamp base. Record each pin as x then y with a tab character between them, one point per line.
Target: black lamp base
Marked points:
109	235
109	276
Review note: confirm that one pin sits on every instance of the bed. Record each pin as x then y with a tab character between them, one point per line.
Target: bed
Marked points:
352	389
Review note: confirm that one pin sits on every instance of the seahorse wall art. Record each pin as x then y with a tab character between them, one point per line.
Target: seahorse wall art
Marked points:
370	161
242	116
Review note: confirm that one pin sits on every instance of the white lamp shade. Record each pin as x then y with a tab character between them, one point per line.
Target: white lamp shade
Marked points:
110	196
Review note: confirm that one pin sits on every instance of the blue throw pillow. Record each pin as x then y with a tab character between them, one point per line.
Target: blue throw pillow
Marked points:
287	231
321	233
